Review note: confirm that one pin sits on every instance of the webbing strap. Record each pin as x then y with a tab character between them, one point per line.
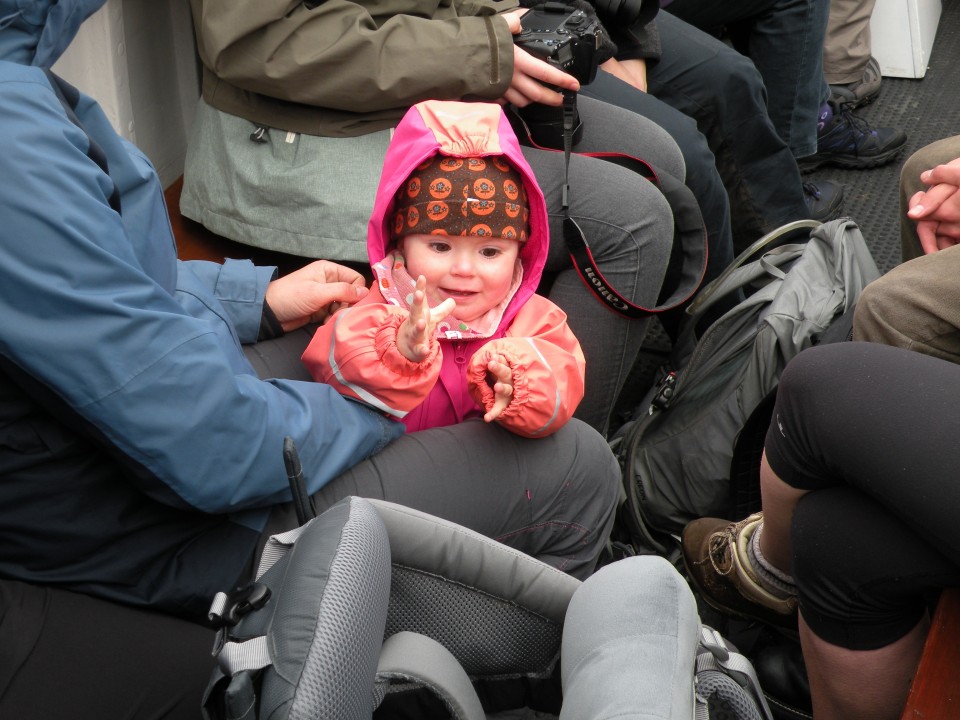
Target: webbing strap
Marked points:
235	657
715	655
276	547
412	657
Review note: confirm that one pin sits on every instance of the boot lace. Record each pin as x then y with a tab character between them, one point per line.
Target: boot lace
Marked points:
859	124
723	545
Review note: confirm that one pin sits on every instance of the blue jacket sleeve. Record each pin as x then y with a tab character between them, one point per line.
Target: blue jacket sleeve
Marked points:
168	390
238	285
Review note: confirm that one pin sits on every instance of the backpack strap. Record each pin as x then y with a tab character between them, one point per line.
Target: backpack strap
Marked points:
722	285
412	657
713	654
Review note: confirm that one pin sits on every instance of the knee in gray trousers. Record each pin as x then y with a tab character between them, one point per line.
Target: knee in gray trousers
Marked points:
629	642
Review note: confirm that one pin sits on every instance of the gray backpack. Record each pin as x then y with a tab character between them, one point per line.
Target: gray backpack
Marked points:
374	606
685	453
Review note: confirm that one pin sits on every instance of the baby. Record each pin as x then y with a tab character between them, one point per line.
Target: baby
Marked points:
453	328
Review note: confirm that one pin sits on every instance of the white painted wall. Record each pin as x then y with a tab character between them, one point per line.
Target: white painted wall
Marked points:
137	59
902	34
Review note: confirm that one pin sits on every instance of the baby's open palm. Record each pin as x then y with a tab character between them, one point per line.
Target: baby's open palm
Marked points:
416	331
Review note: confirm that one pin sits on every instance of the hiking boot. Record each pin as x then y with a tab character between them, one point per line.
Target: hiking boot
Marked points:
859	92
824	200
715	553
848	141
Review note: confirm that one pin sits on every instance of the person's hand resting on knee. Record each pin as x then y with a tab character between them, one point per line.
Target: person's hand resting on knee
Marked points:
936	210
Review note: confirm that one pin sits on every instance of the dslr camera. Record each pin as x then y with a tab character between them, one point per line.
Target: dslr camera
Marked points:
569	39
563	36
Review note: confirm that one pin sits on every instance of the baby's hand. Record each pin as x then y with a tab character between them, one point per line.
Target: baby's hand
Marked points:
415	332
501	379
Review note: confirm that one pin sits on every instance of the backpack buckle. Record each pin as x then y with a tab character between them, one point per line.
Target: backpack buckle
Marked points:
227	608
664	393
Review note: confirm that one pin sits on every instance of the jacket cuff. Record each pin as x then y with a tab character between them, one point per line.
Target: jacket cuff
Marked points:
642	43
385	346
270	327
241	287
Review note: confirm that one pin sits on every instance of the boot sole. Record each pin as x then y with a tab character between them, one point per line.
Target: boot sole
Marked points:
808	164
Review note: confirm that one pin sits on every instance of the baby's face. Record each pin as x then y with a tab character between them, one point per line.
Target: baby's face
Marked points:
475	271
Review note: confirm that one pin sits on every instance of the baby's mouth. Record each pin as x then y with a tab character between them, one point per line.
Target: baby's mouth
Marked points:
457	293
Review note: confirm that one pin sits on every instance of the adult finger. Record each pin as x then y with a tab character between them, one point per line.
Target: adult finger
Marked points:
513	19
314	303
948	173
946	241
934	198
927	234
950	229
531	77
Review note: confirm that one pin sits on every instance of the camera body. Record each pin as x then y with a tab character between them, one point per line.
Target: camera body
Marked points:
563	36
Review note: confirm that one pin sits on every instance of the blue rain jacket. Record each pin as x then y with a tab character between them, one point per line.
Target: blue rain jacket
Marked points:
139	453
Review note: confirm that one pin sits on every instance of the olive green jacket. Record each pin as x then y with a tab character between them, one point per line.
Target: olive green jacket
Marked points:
338	68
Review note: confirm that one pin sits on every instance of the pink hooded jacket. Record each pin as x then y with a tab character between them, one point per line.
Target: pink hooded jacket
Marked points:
356	350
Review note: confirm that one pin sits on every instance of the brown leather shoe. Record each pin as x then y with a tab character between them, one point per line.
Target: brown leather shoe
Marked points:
715	555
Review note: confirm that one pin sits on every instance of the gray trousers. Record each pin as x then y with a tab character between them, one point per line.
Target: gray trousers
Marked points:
553	498
917	304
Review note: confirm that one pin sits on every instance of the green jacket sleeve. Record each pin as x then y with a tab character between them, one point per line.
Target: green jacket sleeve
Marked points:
360	56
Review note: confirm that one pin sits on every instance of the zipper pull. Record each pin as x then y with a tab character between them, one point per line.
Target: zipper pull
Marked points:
664	394
258	134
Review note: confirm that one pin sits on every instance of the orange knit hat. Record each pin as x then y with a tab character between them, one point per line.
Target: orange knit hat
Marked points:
445	195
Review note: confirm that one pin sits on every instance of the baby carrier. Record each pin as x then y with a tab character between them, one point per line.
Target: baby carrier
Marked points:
373	605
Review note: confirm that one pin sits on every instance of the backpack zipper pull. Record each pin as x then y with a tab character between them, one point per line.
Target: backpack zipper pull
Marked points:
664	394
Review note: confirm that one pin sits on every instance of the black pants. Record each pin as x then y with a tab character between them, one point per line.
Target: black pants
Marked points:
56	647
872	432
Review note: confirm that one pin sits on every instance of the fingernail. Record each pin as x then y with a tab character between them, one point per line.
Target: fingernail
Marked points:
361	291
915	210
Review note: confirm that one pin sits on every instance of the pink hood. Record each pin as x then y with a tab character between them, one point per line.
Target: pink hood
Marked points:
459	129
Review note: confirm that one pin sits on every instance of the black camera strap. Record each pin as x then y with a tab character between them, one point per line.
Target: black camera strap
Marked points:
689	253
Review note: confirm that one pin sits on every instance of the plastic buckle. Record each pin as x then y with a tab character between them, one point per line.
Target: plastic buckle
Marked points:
229	608
664	393
713	641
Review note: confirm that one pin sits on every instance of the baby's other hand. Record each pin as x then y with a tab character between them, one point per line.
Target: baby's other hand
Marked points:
500	378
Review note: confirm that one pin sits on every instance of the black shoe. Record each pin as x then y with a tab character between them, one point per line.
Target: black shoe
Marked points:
848	141
824	200
860	92
782	673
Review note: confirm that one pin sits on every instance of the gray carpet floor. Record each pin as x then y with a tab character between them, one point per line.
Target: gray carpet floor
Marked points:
926	109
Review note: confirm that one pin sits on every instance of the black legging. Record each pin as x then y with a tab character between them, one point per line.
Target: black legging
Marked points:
872	431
